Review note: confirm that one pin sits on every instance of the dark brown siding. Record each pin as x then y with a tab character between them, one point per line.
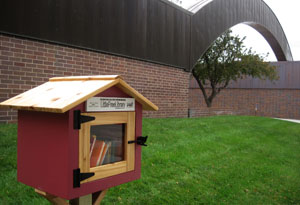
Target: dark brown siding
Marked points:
148	30
144	29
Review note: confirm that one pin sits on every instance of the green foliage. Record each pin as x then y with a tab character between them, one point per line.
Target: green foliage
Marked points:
11	191
227	59
213	160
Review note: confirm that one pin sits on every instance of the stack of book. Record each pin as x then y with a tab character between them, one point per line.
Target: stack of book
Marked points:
100	152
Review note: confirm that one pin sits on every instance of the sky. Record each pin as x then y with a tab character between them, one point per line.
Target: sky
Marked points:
288	14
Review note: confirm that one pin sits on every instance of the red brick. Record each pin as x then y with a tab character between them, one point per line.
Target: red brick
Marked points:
4	58
48	63
5	81
4	48
14	86
19	55
15	50
38	62
14	77
28	52
27	61
33	48
20	46
16	41
30	56
7	44
6	53
19	64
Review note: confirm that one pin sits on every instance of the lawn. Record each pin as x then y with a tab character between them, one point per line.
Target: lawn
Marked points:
213	160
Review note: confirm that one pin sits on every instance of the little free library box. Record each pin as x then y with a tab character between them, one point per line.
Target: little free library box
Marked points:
79	135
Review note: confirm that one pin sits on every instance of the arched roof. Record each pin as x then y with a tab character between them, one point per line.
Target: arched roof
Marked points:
213	17
149	30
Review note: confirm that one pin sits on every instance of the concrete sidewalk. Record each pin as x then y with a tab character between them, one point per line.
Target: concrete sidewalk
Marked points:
290	120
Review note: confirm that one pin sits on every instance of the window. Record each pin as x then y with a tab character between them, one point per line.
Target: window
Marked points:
103	144
106	144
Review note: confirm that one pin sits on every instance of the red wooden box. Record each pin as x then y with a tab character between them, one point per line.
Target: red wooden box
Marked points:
77	135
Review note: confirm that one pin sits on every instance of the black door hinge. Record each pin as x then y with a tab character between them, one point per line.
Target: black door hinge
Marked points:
140	140
79	119
78	177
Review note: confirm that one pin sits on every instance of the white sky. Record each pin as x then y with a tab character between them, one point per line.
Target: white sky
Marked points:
288	14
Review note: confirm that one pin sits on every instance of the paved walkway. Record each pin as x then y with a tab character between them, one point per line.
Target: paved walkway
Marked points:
290	120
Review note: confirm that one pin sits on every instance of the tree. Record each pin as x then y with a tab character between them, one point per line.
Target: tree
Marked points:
225	60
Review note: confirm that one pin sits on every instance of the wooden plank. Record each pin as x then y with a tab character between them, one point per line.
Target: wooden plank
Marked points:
130	136
26	101
107	171
84	147
104	118
51	198
80	78
71	102
58	96
61	95
23	97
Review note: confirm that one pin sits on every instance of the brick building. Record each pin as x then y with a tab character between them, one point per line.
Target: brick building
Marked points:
24	64
27	63
153	44
253	96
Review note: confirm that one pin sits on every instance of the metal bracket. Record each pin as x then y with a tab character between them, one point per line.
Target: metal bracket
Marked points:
140	140
78	177
79	119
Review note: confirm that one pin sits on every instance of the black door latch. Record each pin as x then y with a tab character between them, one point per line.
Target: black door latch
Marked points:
140	140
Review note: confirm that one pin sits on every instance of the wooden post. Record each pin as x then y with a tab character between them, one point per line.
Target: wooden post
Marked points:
84	200
90	199
98	196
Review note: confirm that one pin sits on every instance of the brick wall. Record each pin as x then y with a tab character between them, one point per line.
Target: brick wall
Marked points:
252	96
281	103
25	64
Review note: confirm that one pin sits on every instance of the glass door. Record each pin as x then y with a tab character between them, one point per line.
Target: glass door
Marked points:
103	144
106	144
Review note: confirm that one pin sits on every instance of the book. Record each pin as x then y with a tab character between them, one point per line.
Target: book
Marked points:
96	153
104	152
92	144
107	154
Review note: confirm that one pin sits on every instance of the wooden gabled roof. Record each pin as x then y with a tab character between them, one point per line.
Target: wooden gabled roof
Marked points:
63	93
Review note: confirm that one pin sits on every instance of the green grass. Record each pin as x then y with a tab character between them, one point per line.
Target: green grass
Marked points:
213	160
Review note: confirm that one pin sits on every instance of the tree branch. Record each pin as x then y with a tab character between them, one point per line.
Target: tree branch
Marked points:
224	86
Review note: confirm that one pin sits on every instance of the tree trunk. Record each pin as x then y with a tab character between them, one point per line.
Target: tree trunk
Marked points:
207	101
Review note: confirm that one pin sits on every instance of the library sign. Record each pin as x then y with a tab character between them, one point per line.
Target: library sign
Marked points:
95	104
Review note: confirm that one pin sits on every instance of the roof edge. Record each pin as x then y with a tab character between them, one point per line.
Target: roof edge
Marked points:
77	78
147	104
113	80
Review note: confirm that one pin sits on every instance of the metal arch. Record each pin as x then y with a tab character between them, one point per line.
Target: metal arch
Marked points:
212	18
